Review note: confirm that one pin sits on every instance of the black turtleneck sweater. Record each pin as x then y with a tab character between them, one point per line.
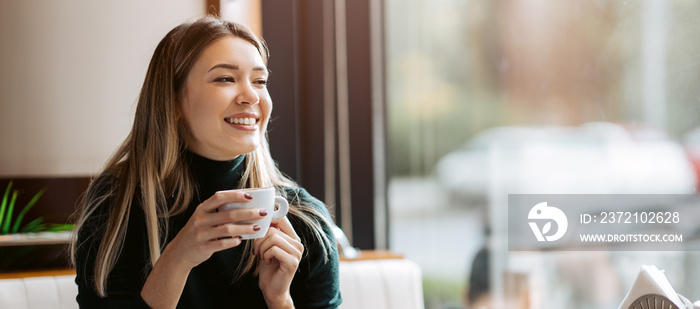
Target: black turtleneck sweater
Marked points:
210	284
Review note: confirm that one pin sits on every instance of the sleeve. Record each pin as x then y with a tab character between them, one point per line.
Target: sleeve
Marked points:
125	281
317	283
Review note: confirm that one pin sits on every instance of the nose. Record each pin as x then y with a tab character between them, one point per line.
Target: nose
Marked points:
247	94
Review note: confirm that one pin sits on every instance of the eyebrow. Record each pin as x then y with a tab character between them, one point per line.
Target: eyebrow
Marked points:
235	67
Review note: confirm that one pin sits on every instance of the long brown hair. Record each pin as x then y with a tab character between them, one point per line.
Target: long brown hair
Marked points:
149	166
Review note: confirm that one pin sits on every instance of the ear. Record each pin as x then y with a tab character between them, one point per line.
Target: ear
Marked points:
178	112
179	99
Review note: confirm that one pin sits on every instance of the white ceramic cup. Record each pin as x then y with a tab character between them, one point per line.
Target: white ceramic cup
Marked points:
263	198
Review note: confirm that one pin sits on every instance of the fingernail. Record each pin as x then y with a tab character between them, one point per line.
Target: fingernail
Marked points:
263	212
248	196
256	227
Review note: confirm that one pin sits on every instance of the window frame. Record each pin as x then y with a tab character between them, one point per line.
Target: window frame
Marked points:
328	126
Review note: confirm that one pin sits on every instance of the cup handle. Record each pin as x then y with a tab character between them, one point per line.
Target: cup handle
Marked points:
283	208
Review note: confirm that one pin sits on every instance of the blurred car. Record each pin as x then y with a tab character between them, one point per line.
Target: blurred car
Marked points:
595	158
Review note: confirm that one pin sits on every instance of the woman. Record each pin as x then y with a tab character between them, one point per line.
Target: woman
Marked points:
149	233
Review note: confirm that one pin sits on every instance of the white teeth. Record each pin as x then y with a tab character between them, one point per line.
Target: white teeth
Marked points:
243	121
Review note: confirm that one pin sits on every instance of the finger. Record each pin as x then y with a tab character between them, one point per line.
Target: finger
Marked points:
205	220
286	227
227	231
294	240
233	230
258	242
271	232
222	197
288	262
224	243
282	241
242	215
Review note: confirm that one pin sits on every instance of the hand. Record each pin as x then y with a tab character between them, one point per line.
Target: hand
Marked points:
280	252
209	230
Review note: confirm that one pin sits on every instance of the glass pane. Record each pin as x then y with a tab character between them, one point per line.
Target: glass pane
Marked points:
489	98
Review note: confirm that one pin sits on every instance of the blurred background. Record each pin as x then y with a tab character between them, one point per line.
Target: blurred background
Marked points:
412	119
489	98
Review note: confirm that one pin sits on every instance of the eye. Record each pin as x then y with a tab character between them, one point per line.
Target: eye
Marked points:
225	79
262	82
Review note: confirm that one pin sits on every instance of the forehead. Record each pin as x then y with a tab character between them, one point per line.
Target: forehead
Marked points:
231	50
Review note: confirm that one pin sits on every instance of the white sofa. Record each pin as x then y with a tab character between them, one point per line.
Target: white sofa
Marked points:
383	283
39	292
390	284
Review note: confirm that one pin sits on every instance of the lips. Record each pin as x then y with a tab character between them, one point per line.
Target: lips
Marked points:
244	121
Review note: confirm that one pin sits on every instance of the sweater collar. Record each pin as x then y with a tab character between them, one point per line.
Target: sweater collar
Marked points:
211	175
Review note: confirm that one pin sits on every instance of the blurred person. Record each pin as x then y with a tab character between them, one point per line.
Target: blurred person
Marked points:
149	233
478	293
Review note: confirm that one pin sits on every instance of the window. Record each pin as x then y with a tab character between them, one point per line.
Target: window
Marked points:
557	88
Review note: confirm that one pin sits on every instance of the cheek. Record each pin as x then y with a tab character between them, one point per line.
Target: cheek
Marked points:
190	117
196	120
201	106
266	106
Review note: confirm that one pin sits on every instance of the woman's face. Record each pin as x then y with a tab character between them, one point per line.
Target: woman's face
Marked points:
225	103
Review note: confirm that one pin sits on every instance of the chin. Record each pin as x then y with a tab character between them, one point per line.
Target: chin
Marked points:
245	149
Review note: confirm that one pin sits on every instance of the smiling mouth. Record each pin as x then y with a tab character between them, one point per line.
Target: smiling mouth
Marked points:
242	120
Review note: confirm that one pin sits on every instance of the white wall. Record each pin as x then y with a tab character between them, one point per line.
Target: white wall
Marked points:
70	74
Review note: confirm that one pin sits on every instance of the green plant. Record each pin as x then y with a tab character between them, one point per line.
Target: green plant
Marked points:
7	208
